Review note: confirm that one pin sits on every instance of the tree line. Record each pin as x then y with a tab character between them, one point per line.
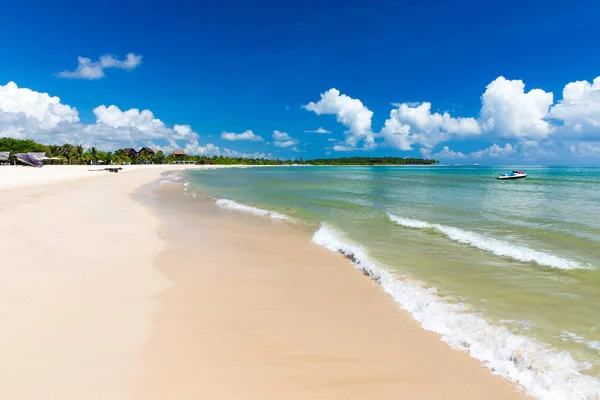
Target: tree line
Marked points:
71	154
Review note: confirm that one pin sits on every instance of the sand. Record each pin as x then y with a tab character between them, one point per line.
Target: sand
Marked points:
108	292
77	282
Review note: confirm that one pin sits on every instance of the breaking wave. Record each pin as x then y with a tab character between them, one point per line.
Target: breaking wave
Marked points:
545	374
225	203
498	247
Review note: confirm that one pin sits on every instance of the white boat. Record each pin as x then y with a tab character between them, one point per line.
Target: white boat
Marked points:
513	175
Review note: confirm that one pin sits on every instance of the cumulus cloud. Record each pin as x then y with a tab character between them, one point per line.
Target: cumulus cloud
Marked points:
320	130
415	124
22	104
284	140
195	148
349	112
444	154
88	69
540	127
114	125
509	111
27	114
585	149
246	135
494	151
277	135
580	106
285	143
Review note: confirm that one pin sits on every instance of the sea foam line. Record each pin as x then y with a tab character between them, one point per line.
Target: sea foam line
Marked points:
544	374
251	210
498	247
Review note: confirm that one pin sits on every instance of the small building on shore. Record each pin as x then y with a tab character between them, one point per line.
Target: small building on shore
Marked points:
146	150
130	152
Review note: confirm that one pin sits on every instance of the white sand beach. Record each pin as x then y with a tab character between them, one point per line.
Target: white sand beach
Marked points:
107	293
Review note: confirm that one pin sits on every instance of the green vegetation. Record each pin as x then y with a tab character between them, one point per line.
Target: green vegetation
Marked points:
70	154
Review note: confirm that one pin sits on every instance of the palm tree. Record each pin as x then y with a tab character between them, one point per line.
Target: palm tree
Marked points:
159	157
78	150
142	157
66	152
92	155
120	156
53	150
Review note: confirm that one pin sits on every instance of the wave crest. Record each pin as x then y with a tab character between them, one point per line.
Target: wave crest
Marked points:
498	247
546	375
225	203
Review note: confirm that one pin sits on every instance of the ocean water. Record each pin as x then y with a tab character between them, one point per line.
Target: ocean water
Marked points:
506	270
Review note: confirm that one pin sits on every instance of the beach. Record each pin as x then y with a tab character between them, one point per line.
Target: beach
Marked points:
120	286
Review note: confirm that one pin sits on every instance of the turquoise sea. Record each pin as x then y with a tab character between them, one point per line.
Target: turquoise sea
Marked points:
506	270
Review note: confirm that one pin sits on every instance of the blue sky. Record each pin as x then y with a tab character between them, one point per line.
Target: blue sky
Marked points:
234	66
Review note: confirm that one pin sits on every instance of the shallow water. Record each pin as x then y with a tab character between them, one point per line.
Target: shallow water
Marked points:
522	256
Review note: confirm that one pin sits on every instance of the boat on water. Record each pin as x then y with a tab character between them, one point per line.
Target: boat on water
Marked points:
513	175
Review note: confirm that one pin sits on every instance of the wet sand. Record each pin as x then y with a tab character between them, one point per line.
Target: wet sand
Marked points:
257	311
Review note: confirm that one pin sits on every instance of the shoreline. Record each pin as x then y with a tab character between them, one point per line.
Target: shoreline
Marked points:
292	319
109	292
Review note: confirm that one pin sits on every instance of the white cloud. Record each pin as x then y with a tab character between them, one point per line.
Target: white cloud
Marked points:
585	149
579	107
183	130
510	112
342	147
114	125
112	116
286	143
494	151
395	133
246	135
284	140
507	111
348	111
444	154
27	114
320	130
415	124
24	111
88	69
194	148
277	135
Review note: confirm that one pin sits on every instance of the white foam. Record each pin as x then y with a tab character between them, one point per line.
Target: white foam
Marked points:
498	247
175	177
518	323
545	374
251	210
567	336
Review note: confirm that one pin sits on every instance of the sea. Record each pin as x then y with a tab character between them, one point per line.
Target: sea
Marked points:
508	271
